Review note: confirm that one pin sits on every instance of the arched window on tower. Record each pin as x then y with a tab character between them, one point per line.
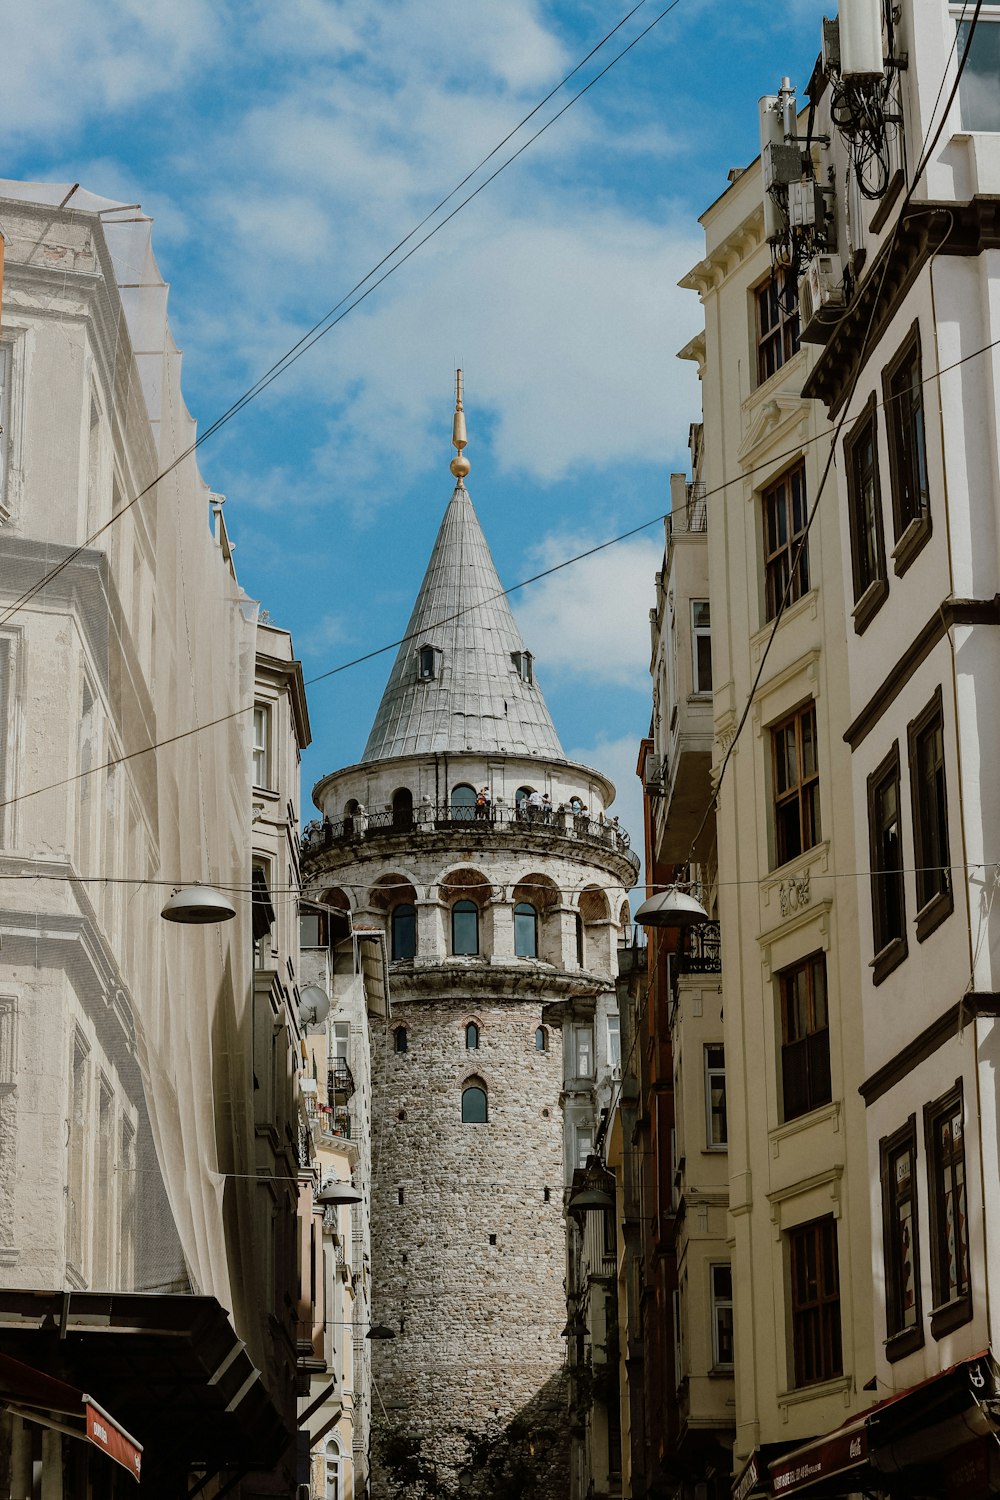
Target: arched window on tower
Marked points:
427	663
525	930
541	1039
402	810
463	802
465	929
334	1472
400	1040
472	1036
404	930
475	1107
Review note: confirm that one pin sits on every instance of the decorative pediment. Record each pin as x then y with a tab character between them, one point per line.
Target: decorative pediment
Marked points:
779	422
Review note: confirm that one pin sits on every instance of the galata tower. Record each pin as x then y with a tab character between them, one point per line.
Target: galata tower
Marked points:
500	880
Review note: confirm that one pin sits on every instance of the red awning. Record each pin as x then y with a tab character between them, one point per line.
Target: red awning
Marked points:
41	1398
839	1452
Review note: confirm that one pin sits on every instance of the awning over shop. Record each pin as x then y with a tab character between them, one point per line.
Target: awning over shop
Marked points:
754	1478
38	1397
940	1422
170	1368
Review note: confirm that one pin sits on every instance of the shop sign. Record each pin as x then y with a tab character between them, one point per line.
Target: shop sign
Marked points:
113	1440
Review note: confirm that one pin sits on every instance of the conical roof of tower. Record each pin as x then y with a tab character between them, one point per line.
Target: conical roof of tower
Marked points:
477	698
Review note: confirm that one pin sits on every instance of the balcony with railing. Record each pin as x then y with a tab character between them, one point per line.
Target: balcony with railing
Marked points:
700	952
543	824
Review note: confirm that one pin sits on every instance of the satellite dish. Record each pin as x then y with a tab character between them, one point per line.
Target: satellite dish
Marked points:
314	1005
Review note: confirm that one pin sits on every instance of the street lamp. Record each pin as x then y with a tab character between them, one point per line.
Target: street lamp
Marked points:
198	904
671	908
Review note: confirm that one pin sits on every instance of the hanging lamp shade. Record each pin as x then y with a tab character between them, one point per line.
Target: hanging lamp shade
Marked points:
595	1192
380	1331
671	908
197	904
333	1193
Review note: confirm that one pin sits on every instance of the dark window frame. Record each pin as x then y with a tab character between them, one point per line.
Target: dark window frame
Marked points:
802	793
784	522
906	432
864	497
814	1302
465	908
405	910
929	811
888	893
526	911
806	1082
400	1039
902	1337
776	329
472	1036
951	1307
475	1086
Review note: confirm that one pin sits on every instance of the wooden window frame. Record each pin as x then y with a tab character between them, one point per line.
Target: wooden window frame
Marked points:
715	1070
776	330
906	431
701	632
901	1338
890	947
721	1304
864	497
951	1308
407	910
805	1056
803	791
787	490
465	908
935	887
814	1303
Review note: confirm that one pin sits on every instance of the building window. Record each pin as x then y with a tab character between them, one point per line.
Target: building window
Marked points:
785	517
978	98
465	929
796	785
262	745
522	664
579	940
400	1040
805	1037
701	645
715	1097
583	1138
541	1039
463	803
722	1316
404	930
583	1051
898	1158
312	929
886	854
262	914
945	1143
402	810
427	663
334	1475
815	1287
904	416
475	1109
525	930
614	1041
865	513
777	324
930	817
472	1037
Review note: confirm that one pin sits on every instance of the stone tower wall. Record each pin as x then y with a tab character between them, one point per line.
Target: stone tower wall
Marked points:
469	1267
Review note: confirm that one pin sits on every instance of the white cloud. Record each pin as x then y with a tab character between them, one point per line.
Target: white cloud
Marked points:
591	621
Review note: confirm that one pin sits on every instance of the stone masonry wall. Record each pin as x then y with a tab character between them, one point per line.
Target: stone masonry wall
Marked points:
469	1267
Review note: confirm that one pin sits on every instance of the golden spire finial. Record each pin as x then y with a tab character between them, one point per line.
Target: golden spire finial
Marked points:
460	465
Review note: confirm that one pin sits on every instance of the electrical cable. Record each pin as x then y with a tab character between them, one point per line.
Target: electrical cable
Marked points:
339	312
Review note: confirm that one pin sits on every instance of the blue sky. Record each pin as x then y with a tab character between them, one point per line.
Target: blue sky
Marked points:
282	149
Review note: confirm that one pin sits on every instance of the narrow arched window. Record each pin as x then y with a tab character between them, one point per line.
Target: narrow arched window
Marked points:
472	1036
525	930
465	928
579	941
402	809
400	1039
427	663
404	930
541	1040
475	1109
334	1475
463	802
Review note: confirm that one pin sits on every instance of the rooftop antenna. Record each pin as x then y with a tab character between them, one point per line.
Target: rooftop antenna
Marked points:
460	465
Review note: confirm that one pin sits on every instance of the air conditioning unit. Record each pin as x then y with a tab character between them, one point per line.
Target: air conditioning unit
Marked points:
821	292
652	774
